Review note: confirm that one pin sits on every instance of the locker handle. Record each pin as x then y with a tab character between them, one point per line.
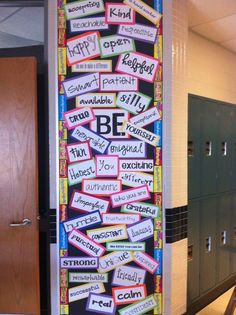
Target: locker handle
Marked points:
224	148
208	244
208	148
190	252
223	237
235	232
190	148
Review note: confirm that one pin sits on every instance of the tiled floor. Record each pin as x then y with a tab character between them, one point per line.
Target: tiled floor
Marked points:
218	306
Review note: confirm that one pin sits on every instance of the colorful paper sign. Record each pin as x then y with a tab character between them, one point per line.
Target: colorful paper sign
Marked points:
114	260
85	244
129	294
140	308
81	85
83	291
127	149
81	170
63	192
83	277
134	179
136	165
119	13
114	45
117	82
141	230
86	203
101	304
146	118
96	100
145	261
145	10
80	9
61	105
62	61
79	263
108	234
83	47
141	134
88	24
140	32
77	117
130	195
96	142
101	187
138	65
145	209
134	102
108	123
83	221
93	66
78	152
119	218
123	246
107	165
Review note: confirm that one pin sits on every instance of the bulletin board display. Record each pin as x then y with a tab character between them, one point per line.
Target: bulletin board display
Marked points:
110	156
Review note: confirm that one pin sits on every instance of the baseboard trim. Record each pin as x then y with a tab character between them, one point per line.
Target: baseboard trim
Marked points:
210	296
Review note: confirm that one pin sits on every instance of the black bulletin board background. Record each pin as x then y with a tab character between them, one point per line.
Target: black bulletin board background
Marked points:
78	307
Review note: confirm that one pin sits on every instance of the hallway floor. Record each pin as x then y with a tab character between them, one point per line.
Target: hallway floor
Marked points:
218	306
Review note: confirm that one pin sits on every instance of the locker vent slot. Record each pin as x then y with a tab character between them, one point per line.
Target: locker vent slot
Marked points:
224	148
208	148
208	244
190	148
223	237
190	252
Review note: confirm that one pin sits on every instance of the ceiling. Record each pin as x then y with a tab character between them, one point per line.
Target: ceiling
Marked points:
21	26
215	20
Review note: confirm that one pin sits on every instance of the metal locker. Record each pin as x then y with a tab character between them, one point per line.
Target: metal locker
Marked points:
194	127
209	132
233	235
233	148
223	237
207	266
193	250
223	149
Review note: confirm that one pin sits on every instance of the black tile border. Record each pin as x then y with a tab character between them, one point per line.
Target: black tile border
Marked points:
176	226
53	226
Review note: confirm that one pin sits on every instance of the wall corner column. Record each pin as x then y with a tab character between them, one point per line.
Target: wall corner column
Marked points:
175	28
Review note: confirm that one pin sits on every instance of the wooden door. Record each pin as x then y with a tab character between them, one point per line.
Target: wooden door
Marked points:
19	258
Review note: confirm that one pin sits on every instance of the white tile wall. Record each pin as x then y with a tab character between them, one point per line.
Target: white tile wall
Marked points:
211	70
175	148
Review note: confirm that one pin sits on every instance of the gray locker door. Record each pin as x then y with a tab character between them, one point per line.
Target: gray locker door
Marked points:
223	149
233	234
223	237
207	268
209	132
193	250
233	147
194	128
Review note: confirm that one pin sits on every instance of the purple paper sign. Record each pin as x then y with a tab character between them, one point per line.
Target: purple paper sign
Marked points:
81	85
140	32
140	231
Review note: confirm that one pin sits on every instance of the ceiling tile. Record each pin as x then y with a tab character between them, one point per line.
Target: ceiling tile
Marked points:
27	23
5	12
231	45
11	41
203	11
219	30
